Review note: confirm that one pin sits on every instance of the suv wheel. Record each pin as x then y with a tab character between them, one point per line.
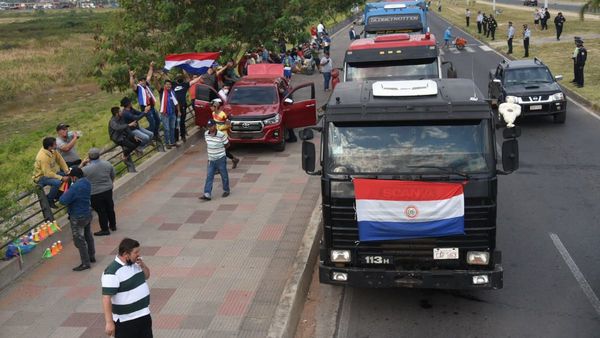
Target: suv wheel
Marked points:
281	145
560	117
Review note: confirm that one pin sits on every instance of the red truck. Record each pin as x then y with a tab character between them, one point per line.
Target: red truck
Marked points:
261	107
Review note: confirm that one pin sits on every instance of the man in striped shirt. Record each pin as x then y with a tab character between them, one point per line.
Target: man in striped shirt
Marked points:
216	143
126	295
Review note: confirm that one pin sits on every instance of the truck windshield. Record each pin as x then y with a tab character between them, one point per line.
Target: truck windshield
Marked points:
521	76
397	148
258	95
400	69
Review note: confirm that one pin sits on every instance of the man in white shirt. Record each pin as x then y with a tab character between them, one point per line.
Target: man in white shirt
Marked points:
479	21
511	35
216	143
326	68
526	36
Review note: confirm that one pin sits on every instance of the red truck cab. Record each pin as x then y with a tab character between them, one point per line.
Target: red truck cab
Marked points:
261	107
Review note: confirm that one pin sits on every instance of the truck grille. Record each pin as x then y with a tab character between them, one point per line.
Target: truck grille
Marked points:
242	126
416	253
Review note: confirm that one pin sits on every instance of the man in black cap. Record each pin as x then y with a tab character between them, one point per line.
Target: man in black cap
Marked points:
574	57
580	59
66	144
77	200
101	175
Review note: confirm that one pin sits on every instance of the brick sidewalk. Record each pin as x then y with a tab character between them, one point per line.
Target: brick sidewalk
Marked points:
218	268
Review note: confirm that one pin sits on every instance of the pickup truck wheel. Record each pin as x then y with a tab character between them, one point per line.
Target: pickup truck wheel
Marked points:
280	146
560	117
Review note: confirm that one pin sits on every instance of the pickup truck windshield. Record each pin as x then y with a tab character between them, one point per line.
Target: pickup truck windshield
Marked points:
521	76
258	95
402	69
396	148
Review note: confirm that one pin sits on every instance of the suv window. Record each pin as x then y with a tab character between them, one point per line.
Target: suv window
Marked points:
258	95
522	76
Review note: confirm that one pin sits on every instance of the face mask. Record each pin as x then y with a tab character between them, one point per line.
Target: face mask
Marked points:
226	91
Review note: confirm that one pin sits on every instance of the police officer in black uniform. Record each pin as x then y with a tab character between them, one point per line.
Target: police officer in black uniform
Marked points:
484	24
492	25
580	62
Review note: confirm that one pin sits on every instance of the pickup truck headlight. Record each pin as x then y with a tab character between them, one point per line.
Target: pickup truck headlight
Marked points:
272	120
557	96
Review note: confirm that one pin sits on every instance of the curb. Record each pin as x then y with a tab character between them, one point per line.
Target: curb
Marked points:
17	268
291	303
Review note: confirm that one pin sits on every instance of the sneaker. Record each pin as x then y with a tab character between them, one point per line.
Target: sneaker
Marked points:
176	144
205	198
225	194
81	267
102	233
168	146
235	162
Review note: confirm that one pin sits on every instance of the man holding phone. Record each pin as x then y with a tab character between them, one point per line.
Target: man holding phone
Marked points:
126	295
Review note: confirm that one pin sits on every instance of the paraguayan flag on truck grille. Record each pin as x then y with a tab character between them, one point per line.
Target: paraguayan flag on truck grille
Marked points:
391	210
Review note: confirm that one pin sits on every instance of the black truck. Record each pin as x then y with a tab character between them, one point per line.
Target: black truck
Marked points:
428	132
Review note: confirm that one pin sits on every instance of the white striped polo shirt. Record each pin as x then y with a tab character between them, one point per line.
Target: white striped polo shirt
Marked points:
215	145
130	294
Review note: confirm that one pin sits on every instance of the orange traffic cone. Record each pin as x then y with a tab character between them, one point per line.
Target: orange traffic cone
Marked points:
59	246
49	228
53	250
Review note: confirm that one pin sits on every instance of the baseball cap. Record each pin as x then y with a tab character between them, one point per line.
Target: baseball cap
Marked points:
214	102
210	123
76	172
62	126
94	153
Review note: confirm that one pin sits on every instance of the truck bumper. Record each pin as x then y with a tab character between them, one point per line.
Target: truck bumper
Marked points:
432	279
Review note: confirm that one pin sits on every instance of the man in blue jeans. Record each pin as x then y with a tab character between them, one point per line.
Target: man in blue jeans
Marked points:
50	169
77	199
216	143
169	112
326	68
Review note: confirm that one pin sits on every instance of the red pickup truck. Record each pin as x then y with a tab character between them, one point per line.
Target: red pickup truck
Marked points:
261	106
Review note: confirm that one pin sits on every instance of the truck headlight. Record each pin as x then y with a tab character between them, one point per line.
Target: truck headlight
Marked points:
272	120
340	256
557	96
478	257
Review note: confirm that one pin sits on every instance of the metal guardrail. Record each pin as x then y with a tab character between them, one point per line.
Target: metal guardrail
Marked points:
33	208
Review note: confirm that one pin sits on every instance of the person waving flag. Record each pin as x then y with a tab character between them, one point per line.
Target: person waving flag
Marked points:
192	63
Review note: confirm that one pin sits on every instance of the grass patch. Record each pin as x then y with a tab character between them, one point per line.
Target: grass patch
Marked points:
543	44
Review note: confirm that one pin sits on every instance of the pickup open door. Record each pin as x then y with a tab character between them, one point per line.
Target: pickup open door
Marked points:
303	111
204	94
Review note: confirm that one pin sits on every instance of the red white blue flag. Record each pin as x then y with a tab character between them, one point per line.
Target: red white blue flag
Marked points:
192	63
390	210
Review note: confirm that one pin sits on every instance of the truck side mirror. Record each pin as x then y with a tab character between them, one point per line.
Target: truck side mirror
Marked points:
288	100
308	157
306	134
558	77
498	81
510	155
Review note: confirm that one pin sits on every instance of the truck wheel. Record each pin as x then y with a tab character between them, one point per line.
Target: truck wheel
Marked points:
560	117
280	146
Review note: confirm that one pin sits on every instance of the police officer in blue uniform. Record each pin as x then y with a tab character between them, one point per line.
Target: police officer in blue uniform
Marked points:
580	59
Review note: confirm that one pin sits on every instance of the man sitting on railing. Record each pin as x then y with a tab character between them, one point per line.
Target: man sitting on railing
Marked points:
120	133
131	115
50	169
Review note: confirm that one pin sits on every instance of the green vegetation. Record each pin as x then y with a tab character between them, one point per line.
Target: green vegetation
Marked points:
556	54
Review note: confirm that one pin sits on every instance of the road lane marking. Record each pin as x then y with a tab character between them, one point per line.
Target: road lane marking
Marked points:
342	330
453	50
441	52
469	49
583	283
584	108
485	48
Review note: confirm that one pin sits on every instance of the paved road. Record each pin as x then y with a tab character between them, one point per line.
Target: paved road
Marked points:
550	203
552	5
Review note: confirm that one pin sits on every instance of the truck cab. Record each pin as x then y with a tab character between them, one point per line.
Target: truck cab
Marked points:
391	134
262	106
394	56
392	17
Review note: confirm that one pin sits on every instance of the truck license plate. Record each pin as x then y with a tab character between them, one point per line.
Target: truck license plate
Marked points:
535	107
445	253
377	260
